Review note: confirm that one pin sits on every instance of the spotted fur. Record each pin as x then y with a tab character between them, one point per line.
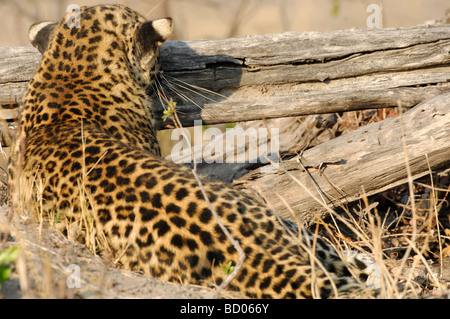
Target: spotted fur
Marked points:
87	120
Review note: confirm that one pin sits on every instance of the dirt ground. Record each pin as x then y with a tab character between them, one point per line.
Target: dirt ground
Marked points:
43	269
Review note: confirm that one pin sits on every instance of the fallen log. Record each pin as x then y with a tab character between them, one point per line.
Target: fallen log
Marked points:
361	163
287	74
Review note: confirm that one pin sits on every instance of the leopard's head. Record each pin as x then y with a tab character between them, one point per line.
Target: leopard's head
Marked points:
103	38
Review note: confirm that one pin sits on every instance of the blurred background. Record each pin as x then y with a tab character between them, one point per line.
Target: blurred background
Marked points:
213	19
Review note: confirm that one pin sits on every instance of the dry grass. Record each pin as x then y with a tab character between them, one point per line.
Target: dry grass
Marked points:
363	228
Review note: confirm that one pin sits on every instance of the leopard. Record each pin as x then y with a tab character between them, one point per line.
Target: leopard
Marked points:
87	118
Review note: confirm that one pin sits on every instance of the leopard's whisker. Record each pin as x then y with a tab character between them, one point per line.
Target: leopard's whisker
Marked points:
188	89
178	92
161	93
194	87
184	96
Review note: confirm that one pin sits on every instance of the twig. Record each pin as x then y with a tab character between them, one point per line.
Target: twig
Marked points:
424	262
411	193
434	204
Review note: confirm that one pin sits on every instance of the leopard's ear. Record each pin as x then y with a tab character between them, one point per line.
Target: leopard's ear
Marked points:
152	34
164	28
41	33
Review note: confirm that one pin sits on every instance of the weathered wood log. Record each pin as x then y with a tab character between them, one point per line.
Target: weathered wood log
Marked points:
218	161
287	74
370	159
